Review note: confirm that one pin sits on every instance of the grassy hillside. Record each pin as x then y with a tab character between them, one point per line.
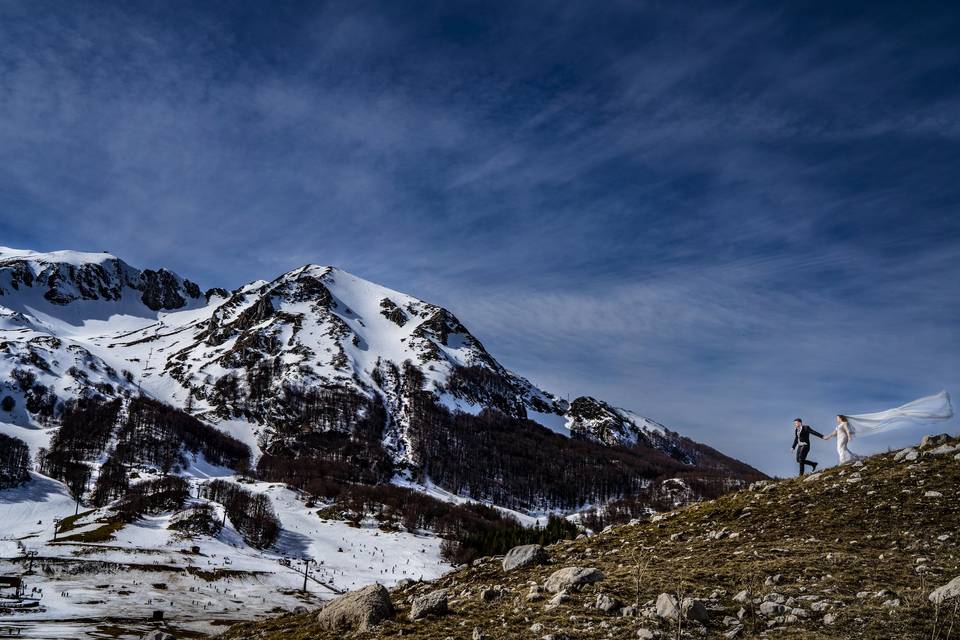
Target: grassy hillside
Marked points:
851	552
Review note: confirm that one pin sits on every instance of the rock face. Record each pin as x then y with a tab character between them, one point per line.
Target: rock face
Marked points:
524	556
948	591
358	610
431	604
571	579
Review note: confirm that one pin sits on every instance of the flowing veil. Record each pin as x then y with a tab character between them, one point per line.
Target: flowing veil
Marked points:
935	407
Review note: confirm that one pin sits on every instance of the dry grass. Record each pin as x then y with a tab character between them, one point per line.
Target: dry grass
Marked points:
829	537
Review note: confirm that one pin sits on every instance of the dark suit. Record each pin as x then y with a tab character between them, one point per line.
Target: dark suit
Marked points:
801	444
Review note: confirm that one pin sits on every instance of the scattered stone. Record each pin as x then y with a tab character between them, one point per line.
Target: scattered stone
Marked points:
646	634
607	603
433	603
769	608
892	603
813	477
526	555
742	597
829	619
946	592
900	455
536	627
910	457
571	578
158	635
359	610
558	600
773	580
932	494
733	633
489	595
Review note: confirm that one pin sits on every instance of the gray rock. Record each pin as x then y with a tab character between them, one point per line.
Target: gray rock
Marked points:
667	607
536	627
526	555
770	608
942	450
733	633
558	600
948	591
489	595
900	455
742	597
829	619
646	634
158	635
359	610
433	603
910	457
572	578
694	610
773	580
607	603
932	441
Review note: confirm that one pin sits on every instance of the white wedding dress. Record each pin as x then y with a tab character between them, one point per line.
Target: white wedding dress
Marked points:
843	439
929	409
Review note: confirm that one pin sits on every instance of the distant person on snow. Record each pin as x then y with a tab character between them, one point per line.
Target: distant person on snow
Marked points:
801	443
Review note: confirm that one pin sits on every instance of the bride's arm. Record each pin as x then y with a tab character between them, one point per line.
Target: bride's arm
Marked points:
830	435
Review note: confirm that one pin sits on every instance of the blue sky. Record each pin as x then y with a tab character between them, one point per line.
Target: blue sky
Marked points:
720	215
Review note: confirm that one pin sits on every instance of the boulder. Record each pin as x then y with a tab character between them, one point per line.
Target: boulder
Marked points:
932	441
572	578
900	455
769	608
693	609
430	604
607	603
742	597
667	607
942	450
948	591
526	555
358	610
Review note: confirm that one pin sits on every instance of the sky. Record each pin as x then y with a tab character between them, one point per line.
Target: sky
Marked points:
719	215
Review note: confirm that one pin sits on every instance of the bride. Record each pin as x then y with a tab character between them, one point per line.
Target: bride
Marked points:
843	434
930	408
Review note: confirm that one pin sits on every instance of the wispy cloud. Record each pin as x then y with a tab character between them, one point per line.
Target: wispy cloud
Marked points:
716	216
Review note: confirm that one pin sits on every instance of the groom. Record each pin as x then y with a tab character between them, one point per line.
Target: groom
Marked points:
801	443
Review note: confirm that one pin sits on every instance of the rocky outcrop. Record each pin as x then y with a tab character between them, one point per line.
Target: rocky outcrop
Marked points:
430	604
524	556
358	610
949	591
572	578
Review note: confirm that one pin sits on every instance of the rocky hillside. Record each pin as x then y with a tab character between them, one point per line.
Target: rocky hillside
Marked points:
870	550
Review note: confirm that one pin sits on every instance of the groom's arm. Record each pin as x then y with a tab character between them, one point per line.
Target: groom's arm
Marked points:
796	439
815	432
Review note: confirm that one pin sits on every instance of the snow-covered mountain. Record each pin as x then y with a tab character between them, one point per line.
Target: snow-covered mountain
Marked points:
89	322
314	415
